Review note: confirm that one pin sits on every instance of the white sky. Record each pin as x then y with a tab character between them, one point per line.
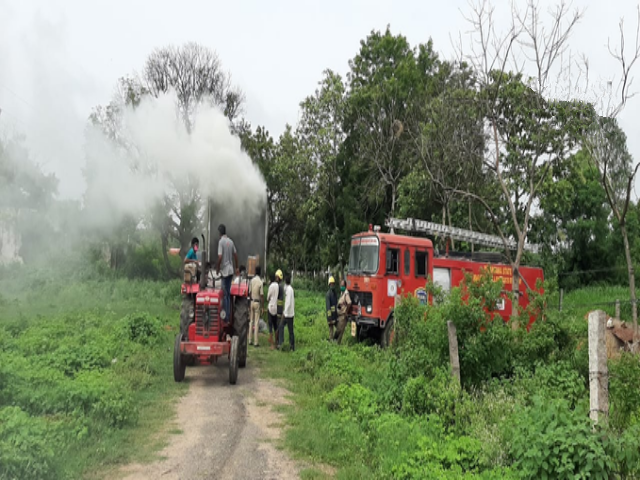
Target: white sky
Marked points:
59	58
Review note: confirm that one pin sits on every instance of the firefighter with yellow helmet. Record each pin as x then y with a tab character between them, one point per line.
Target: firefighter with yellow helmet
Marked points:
332	304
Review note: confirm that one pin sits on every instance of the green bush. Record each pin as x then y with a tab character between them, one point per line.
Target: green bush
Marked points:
437	395
624	381
550	440
26	448
141	328
352	400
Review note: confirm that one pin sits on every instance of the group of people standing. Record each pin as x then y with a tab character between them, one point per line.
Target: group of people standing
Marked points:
280	309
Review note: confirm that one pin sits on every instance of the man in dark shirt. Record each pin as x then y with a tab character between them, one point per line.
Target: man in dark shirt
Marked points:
332	303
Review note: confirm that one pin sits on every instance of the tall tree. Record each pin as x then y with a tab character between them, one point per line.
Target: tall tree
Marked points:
528	133
195	74
387	79
322	138
606	143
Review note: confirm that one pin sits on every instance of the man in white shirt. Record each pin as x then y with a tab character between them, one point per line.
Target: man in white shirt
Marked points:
272	300
288	314
256	293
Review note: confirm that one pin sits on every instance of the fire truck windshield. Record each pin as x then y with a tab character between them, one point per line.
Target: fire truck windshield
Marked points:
363	258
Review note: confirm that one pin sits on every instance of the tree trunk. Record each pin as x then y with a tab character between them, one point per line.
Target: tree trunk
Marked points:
453	245
515	291
471	226
632	278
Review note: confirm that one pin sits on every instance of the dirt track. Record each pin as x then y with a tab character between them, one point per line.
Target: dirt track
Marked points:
227	431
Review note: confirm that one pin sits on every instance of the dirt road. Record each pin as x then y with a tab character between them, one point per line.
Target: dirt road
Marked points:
227	431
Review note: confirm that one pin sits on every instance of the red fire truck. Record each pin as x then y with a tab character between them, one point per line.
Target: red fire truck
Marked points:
385	266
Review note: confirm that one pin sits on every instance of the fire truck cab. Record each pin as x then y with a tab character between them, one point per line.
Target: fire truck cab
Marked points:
386	266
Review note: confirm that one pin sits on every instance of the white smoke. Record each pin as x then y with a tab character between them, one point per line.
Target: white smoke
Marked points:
160	153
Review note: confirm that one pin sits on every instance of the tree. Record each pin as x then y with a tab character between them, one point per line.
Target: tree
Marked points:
321	137
573	226
387	79
195	74
27	195
528	134
606	143
451	138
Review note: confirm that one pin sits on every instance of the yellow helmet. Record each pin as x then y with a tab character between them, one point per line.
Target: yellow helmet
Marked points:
332	280
279	274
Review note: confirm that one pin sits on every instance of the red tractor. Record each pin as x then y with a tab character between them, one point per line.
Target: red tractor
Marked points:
205	333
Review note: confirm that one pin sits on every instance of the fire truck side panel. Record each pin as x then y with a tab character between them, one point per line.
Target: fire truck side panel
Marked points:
449	272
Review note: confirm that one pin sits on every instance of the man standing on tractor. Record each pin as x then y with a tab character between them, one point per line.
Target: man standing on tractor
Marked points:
228	261
332	302
344	304
256	293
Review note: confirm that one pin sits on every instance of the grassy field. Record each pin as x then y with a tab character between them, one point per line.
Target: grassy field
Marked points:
86	381
396	414
85	373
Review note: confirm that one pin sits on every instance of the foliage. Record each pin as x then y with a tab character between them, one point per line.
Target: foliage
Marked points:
77	370
552	441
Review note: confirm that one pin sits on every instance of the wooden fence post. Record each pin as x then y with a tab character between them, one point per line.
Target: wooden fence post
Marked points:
598	372
453	351
617	309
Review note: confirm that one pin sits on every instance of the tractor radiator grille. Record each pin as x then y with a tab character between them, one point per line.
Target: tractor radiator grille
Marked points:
201	320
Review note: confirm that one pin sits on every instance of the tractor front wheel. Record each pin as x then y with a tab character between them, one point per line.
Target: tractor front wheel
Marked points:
186	315
179	363
241	324
233	360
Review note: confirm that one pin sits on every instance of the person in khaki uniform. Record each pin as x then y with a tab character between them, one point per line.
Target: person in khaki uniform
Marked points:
256	293
344	304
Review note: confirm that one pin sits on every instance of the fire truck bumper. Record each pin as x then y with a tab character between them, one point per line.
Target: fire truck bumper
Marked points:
365	321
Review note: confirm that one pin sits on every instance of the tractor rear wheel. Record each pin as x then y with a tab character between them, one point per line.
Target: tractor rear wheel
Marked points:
386	337
179	361
233	361
241	327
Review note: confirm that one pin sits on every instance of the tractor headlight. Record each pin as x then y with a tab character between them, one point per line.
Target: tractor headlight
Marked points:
223	314
369	309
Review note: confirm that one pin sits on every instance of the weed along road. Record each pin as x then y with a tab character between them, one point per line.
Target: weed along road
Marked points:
222	431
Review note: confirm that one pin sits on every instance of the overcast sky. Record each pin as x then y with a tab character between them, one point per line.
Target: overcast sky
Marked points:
59	58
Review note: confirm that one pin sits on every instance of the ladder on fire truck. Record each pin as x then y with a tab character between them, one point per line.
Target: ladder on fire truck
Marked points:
458	234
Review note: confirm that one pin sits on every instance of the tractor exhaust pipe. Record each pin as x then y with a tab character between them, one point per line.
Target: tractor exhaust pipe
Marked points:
205	261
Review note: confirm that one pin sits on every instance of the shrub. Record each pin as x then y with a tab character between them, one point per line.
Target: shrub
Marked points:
550	440
436	395
141	328
352	400
25	447
623	387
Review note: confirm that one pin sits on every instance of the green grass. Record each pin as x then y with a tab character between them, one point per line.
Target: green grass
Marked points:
581	301
377	414
85	373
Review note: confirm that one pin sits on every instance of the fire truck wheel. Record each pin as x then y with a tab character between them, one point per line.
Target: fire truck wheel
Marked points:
233	361
386	339
241	324
179	364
